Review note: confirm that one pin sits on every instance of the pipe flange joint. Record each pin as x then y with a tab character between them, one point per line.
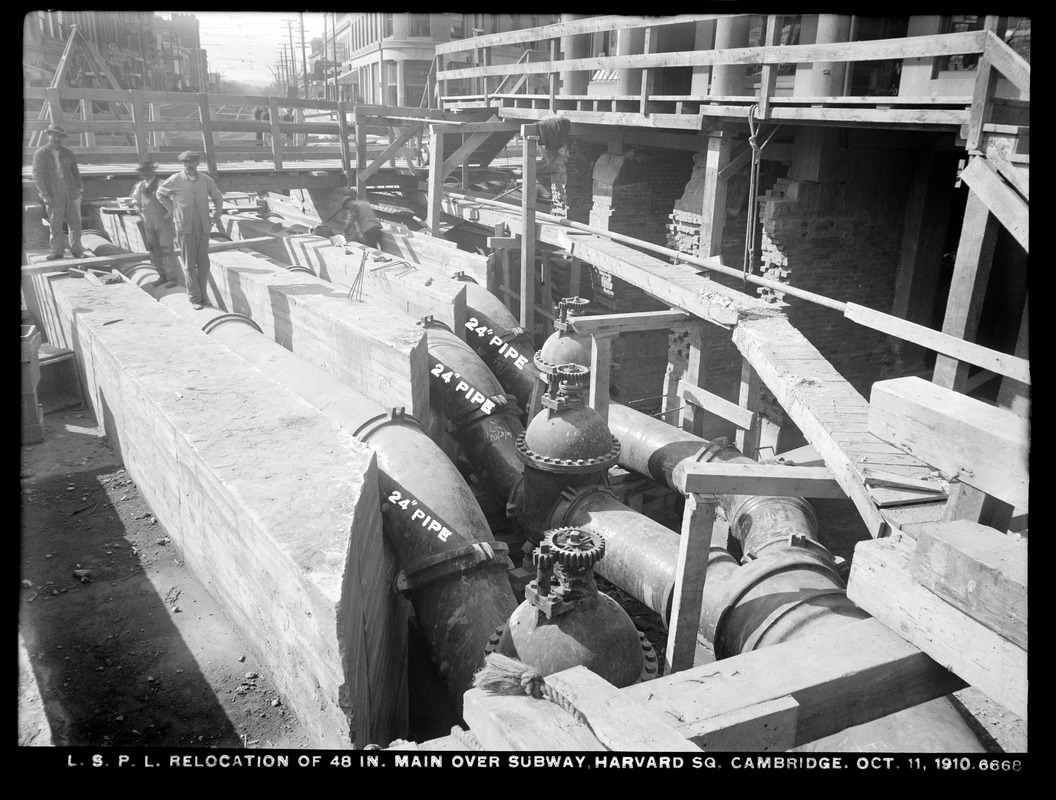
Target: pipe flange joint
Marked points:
544	366
493	640
216	322
570	500
441	565
574	548
650	663
754	572
394	416
567	465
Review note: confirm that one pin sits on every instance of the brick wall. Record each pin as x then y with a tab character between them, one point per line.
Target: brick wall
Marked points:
571	181
842	240
634	194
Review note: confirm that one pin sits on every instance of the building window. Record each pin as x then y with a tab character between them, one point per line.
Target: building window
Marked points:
458	26
960	24
388	26
419	25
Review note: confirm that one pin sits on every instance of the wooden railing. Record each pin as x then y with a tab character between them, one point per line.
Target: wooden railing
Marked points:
158	125
768	57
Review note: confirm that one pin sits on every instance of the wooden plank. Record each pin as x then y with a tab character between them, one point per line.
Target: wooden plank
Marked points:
698	521
207	134
761	342
779	480
984	446
1008	62
766	727
528	234
712	403
557	30
346	156
520	722
609	324
600	363
139	119
390	151
944	343
463	152
875	50
436	183
854	674
876	477
695	374
768	76
1002	201
881	582
978	570
620	723
761	437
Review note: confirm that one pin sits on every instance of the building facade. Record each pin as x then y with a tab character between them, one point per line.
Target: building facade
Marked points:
141	49
390	55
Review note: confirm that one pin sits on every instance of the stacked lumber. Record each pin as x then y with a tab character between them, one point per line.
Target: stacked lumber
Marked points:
379	354
959	593
285	533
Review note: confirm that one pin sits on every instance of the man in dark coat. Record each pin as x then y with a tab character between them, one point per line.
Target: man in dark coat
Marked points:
59	186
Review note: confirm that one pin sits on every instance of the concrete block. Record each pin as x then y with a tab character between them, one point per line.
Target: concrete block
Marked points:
283	530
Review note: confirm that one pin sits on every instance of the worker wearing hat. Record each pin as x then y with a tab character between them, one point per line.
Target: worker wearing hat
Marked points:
186	196
360	224
59	186
159	235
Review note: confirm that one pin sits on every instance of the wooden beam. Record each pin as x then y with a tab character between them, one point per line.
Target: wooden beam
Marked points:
715	477
943	343
520	722
1002	201
984	446
607	22
361	159
648	75
276	133
609	324
876	50
767	417
698	521
766	727
600	363
207	134
712	403
1008	62
394	147
881	582
463	152
855	674
768	77
620	723
139	120
696	374
528	189
978	570
1014	395
713	214
64	264
436	181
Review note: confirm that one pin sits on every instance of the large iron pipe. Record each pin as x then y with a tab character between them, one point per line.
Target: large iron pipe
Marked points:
788	589
785	594
450	564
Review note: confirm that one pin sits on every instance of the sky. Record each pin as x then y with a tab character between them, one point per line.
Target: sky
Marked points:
243	45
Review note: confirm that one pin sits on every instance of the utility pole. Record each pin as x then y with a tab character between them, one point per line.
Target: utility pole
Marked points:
326	67
293	62
304	58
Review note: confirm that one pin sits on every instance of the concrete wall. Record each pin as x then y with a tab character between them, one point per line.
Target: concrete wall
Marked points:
379	354
285	534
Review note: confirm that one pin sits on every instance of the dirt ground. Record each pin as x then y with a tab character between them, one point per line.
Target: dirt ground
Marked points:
126	646
129	649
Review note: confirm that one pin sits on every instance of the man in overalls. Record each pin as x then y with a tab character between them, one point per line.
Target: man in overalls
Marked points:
158	232
186	195
59	185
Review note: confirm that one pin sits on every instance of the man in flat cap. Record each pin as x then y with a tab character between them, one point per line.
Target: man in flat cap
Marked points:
159	234
186	195
59	186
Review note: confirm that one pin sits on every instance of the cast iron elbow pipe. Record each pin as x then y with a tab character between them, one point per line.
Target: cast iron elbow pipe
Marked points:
486	429
450	564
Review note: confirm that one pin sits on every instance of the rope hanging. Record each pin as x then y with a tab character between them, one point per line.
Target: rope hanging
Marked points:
753	189
504	675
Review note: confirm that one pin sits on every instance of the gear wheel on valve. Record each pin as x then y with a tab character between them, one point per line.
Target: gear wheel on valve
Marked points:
572	547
